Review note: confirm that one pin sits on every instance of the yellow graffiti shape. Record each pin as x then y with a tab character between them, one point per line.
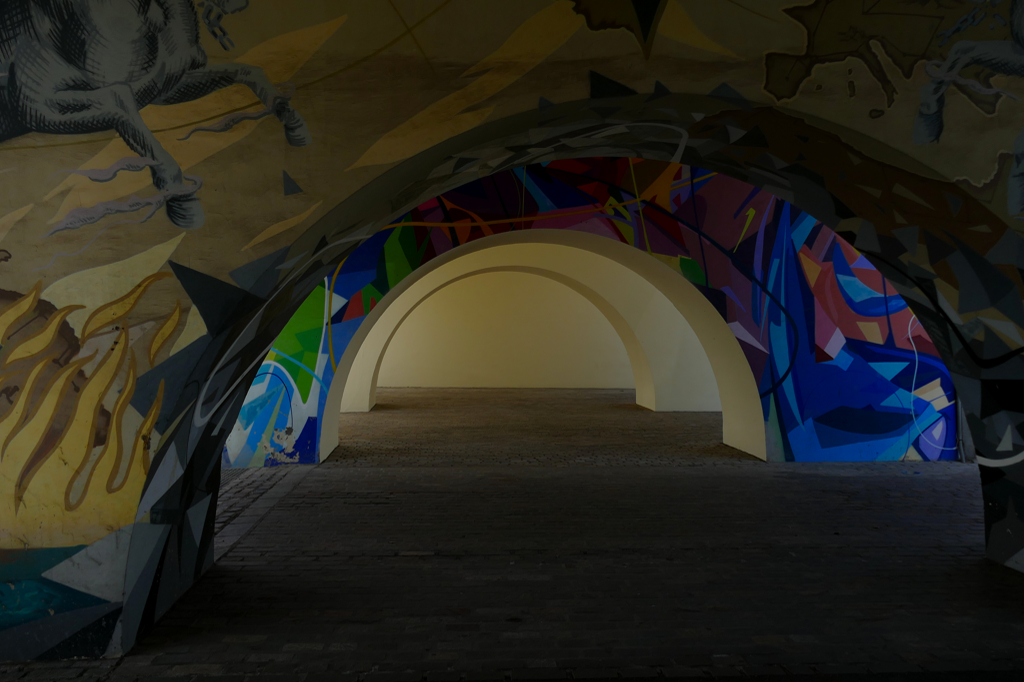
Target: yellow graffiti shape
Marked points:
141	449
529	45
28	450
14	312
41	340
164	333
77	441
194	329
283	226
114	447
98	286
676	24
13	417
280	57
12	218
108	314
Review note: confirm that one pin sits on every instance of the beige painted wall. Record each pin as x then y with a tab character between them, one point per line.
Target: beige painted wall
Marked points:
683	355
506	329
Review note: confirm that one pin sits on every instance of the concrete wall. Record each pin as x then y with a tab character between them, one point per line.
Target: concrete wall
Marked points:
506	329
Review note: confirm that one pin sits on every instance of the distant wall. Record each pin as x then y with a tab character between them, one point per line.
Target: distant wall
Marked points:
506	329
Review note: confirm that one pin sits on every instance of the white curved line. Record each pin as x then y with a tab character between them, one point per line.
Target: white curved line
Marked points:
1009	461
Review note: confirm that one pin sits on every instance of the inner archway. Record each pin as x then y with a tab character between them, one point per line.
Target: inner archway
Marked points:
674	337
506	330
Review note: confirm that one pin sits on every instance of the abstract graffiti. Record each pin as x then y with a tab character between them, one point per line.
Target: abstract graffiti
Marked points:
395	132
845	370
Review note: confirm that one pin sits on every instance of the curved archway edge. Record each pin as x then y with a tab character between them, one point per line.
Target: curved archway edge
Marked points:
615	278
794	158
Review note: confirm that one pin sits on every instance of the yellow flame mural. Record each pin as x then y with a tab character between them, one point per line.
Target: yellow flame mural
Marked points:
63	453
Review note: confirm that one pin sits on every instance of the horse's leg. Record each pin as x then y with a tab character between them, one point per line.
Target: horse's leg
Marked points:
1005	57
63	112
201	82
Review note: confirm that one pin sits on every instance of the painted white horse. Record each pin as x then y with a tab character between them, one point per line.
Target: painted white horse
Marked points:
84	66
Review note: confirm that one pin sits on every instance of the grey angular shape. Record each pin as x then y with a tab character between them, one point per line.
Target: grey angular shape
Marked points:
219	304
171	584
289	264
544	103
148	541
259	277
174	372
1006	442
36	637
1012	306
727	93
659	91
197	517
734	133
907	237
290	186
867	238
1006	328
99	569
463	162
1009	250
166	473
812	198
955	203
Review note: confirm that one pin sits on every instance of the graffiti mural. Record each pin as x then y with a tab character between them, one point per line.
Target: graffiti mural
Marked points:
92	66
136	357
846	371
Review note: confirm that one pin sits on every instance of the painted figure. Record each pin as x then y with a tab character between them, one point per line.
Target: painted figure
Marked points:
1001	56
82	66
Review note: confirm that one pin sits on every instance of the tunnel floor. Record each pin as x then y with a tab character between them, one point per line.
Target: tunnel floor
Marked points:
533	535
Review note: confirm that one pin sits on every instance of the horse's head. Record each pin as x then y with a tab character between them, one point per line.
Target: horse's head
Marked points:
214	11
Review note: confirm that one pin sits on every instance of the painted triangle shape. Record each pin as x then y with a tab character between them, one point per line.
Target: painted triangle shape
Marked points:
290	186
219	303
889	369
99	569
197	517
259	277
646	12
726	92
603	86
1006	444
659	91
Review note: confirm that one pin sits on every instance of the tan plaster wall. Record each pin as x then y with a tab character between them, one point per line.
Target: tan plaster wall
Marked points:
506	329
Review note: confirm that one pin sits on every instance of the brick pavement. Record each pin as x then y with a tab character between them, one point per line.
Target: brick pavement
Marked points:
506	535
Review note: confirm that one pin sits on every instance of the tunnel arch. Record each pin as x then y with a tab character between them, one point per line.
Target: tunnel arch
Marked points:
637	294
796	158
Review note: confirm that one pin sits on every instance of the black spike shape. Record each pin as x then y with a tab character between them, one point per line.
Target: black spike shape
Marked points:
659	91
603	86
544	103
220	304
320	245
646	11
938	250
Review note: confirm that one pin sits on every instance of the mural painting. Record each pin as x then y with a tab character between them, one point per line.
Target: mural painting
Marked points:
845	370
128	344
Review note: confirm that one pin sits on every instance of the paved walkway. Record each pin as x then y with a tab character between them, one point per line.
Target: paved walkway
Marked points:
489	535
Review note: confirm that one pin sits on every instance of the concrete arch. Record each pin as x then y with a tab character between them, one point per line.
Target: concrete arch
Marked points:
636	293
359	393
